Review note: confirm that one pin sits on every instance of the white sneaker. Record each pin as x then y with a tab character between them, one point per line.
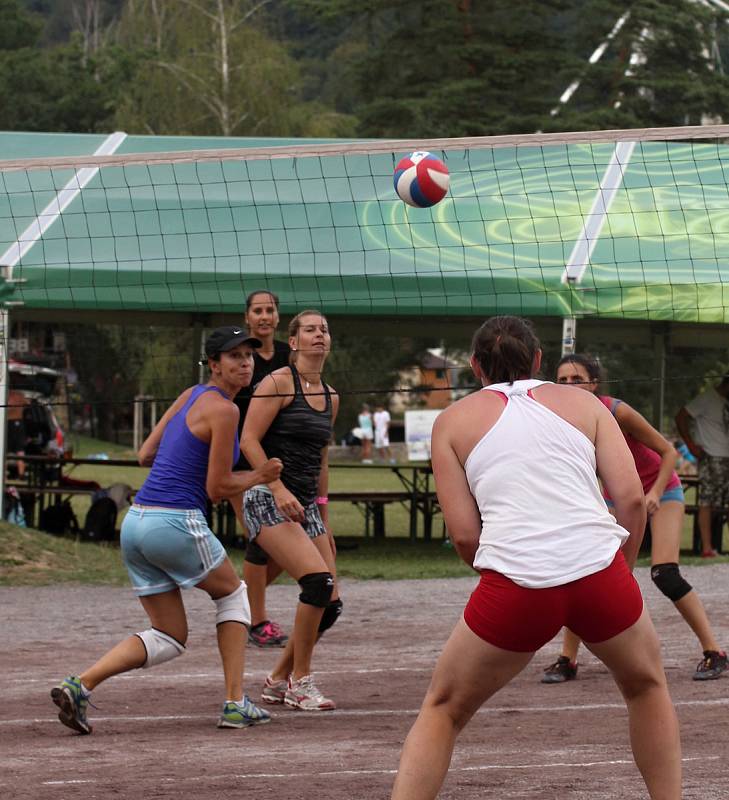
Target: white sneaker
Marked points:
274	691
303	694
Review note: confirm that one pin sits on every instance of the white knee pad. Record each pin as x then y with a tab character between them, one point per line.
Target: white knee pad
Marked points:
233	607
160	647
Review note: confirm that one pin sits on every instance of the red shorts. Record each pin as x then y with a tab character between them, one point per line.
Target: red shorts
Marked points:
596	608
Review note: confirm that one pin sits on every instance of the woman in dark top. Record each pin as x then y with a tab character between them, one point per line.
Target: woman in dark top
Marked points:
258	569
290	418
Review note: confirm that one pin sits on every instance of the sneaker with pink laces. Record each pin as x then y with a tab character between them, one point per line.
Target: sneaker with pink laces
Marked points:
274	691
267	634
303	694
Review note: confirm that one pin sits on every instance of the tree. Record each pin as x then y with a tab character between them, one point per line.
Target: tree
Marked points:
209	67
459	68
663	68
59	88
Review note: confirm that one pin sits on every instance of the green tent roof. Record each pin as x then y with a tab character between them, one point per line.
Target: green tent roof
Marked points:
643	229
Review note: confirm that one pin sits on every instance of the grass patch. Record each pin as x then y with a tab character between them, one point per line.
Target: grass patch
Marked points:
34	558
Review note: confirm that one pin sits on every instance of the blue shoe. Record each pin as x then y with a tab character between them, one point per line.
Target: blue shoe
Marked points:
242	715
73	702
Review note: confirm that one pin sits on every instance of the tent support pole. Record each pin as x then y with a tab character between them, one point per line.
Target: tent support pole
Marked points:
4	381
197	345
569	335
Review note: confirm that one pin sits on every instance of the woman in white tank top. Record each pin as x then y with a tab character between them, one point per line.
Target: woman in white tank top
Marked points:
516	468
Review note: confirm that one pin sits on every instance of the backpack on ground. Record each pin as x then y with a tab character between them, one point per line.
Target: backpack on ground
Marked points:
58	518
100	522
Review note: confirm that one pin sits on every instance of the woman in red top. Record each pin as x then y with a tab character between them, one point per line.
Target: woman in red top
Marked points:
655	460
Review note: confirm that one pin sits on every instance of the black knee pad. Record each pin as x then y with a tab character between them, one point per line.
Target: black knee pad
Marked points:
669	580
330	615
316	589
255	554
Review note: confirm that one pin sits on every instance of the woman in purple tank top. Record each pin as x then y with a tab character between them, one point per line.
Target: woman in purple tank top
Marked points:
655	459
167	545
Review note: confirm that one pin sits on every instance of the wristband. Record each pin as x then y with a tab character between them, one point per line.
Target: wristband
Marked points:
322	501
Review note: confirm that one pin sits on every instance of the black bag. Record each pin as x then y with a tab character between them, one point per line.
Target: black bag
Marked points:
58	518
100	523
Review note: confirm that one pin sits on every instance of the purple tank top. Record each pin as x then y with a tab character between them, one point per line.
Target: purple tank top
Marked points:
179	473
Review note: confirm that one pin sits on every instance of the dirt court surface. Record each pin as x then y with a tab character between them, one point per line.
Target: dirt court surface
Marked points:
155	735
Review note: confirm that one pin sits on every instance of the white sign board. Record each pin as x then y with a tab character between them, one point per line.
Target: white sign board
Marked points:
418	429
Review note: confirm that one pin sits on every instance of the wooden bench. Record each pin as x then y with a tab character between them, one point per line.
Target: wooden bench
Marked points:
372	504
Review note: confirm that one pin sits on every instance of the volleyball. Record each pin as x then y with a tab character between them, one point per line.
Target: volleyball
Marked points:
421	179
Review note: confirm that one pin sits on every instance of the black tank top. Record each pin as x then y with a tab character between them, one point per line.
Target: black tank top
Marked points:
297	436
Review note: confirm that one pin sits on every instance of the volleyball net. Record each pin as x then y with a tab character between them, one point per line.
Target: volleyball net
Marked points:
621	225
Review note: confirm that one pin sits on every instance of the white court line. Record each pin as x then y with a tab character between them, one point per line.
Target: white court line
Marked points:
351	772
81	178
258	675
378	712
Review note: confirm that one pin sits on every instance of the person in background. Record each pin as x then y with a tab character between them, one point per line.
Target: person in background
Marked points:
516	469
365	433
259	570
703	424
381	419
17	435
167	545
655	459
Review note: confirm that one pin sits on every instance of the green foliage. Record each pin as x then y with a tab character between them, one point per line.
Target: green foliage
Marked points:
18	28
63	88
211	68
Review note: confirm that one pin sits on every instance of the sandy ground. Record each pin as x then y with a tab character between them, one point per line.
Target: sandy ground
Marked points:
155	735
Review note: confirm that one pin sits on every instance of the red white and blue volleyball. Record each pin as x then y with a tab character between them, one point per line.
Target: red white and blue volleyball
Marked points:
421	179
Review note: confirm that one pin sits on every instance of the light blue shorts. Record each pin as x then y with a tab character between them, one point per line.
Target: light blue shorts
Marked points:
670	494
164	548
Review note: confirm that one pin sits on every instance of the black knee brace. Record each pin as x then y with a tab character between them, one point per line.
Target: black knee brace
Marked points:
255	554
330	615
669	580
316	589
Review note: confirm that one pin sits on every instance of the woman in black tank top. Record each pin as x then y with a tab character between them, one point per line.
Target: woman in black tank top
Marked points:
291	415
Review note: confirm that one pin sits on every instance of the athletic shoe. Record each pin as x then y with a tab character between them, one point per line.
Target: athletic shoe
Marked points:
242	714
709	554
304	695
711	665
73	702
267	634
562	670
274	691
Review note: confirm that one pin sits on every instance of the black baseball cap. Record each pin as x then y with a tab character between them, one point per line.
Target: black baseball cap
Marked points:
226	338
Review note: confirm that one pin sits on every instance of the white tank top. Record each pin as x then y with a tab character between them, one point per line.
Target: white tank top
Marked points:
533	475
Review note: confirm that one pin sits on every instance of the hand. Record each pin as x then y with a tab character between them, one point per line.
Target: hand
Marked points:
288	505
270	470
696	450
652	502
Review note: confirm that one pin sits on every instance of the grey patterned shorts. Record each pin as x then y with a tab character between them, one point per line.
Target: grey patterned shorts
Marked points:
714	481
259	510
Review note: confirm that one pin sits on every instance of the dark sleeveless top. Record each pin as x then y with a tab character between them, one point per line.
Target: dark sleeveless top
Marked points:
297	436
180	469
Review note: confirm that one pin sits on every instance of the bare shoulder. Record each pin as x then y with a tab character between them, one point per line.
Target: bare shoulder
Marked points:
479	404
280	381
220	406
